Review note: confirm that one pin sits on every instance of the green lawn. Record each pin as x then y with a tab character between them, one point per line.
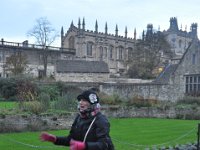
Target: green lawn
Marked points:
7	105
127	134
142	133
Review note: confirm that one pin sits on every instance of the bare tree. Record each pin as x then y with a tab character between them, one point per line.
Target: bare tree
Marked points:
45	35
147	56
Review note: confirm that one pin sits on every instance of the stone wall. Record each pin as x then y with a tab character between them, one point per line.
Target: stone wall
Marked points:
148	91
82	77
162	92
18	123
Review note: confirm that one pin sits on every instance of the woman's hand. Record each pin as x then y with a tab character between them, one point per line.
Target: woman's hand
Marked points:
47	137
77	145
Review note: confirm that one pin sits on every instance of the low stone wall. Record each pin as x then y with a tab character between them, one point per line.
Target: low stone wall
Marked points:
18	123
151	112
162	92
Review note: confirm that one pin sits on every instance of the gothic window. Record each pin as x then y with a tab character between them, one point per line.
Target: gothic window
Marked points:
193	59
101	52
111	52
180	43
130	53
105	52
71	42
89	48
120	56
192	86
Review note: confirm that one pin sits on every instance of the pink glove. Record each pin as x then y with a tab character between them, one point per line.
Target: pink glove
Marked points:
48	137
77	145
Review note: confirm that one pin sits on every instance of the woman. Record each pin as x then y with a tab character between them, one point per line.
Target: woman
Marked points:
90	129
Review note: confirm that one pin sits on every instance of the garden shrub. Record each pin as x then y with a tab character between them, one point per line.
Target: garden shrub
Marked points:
44	98
51	90
26	90
8	87
34	107
67	103
61	87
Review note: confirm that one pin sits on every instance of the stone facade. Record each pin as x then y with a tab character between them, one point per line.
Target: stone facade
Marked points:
180	39
186	77
179	78
33	55
98	46
115	50
175	82
172	84
82	77
81	71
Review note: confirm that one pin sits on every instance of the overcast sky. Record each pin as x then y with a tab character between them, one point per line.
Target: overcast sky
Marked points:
17	17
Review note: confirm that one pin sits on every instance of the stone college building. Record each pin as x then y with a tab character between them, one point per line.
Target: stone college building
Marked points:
97	57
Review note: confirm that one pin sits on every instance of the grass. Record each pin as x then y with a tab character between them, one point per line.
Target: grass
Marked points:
141	133
127	134
8	105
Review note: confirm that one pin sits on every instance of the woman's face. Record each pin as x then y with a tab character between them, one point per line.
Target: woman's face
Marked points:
83	105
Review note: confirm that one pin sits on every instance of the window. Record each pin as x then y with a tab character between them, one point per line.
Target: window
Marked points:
105	52
111	52
101	52
130	53
89	48
193	59
180	43
71	42
192	86
120	57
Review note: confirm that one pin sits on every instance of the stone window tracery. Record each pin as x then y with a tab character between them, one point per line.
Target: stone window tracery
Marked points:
89	48
71	42
192	85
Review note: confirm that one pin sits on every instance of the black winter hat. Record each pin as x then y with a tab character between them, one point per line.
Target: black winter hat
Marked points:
90	96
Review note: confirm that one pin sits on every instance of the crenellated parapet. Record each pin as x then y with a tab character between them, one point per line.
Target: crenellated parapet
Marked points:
80	30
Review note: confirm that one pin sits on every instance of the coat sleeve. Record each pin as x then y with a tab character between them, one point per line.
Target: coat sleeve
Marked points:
65	140
102	132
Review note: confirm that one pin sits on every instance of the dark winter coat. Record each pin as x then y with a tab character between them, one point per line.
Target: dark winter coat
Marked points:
98	137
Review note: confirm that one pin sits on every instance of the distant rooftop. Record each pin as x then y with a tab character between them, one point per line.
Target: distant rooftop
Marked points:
81	66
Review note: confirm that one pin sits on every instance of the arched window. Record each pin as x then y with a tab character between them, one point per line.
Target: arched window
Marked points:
180	43
193	59
89	48
105	52
130	53
101	52
120	56
111	48
71	42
